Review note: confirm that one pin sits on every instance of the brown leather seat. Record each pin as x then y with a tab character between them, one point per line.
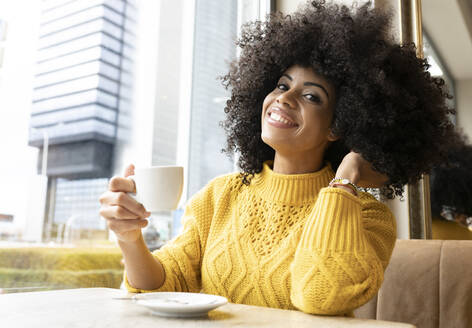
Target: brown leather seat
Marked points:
428	283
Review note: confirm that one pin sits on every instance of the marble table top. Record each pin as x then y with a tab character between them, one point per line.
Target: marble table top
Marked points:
105	307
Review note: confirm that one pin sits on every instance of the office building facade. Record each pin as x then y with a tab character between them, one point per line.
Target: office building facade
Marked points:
83	81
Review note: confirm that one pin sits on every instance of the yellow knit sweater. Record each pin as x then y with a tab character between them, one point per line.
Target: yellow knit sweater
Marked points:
284	241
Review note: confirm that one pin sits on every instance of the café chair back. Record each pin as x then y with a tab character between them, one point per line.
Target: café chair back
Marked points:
428	283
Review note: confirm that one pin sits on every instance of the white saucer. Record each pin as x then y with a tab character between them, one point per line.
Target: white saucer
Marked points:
179	304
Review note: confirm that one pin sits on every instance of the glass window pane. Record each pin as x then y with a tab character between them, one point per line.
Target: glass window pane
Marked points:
215	32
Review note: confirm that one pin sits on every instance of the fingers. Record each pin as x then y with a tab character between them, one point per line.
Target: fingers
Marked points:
118	213
121	184
129	170
120	205
122	226
123	213
124	200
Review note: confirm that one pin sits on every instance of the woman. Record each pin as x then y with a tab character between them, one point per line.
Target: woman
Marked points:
321	101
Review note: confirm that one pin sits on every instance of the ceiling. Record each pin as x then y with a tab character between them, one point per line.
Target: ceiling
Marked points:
448	24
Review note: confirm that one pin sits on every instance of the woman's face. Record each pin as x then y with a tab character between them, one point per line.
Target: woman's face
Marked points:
297	114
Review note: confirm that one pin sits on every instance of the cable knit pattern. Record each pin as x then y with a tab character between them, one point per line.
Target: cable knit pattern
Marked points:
284	241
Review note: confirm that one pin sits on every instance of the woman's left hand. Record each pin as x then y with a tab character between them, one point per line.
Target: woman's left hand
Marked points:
355	168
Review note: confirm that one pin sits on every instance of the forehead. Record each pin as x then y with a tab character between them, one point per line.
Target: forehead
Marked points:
306	74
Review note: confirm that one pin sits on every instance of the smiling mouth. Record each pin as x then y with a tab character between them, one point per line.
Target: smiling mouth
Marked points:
278	120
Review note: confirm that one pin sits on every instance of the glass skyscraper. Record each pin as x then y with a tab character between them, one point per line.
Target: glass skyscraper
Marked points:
83	81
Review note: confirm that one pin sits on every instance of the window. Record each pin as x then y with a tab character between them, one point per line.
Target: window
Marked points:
215	32
104	83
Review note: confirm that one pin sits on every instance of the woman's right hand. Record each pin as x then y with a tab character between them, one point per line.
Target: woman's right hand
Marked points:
124	215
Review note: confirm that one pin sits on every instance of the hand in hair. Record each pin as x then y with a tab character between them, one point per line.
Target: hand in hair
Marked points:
355	168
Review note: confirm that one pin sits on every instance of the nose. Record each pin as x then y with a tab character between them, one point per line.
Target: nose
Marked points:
286	98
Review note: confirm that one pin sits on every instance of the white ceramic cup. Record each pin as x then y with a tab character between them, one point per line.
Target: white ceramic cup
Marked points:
158	188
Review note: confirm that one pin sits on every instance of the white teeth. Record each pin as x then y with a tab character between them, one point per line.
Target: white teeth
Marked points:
278	118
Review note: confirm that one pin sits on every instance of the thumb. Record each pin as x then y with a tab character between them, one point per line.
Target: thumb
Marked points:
129	170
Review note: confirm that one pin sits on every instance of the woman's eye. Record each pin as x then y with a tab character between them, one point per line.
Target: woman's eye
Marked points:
282	86
313	98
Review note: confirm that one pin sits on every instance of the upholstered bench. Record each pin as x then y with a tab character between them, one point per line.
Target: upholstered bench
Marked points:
428	283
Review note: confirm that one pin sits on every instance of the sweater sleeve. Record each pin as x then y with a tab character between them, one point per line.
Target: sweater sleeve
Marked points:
343	251
182	256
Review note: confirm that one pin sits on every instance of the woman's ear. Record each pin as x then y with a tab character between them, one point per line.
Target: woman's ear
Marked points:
331	136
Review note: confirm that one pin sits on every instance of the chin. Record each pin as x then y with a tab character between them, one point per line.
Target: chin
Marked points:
280	145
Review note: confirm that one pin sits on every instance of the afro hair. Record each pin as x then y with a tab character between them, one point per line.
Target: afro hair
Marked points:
451	182
388	107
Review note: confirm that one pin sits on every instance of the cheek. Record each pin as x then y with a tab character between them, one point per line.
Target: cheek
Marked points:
316	125
267	101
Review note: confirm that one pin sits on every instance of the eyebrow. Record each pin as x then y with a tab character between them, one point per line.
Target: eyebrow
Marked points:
309	83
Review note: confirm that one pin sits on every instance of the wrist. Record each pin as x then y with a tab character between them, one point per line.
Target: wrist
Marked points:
348	189
131	239
351	175
345	184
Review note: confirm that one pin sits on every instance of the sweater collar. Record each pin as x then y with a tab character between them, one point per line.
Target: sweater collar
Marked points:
291	188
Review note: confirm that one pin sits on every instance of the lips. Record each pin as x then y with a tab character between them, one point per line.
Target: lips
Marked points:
279	115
